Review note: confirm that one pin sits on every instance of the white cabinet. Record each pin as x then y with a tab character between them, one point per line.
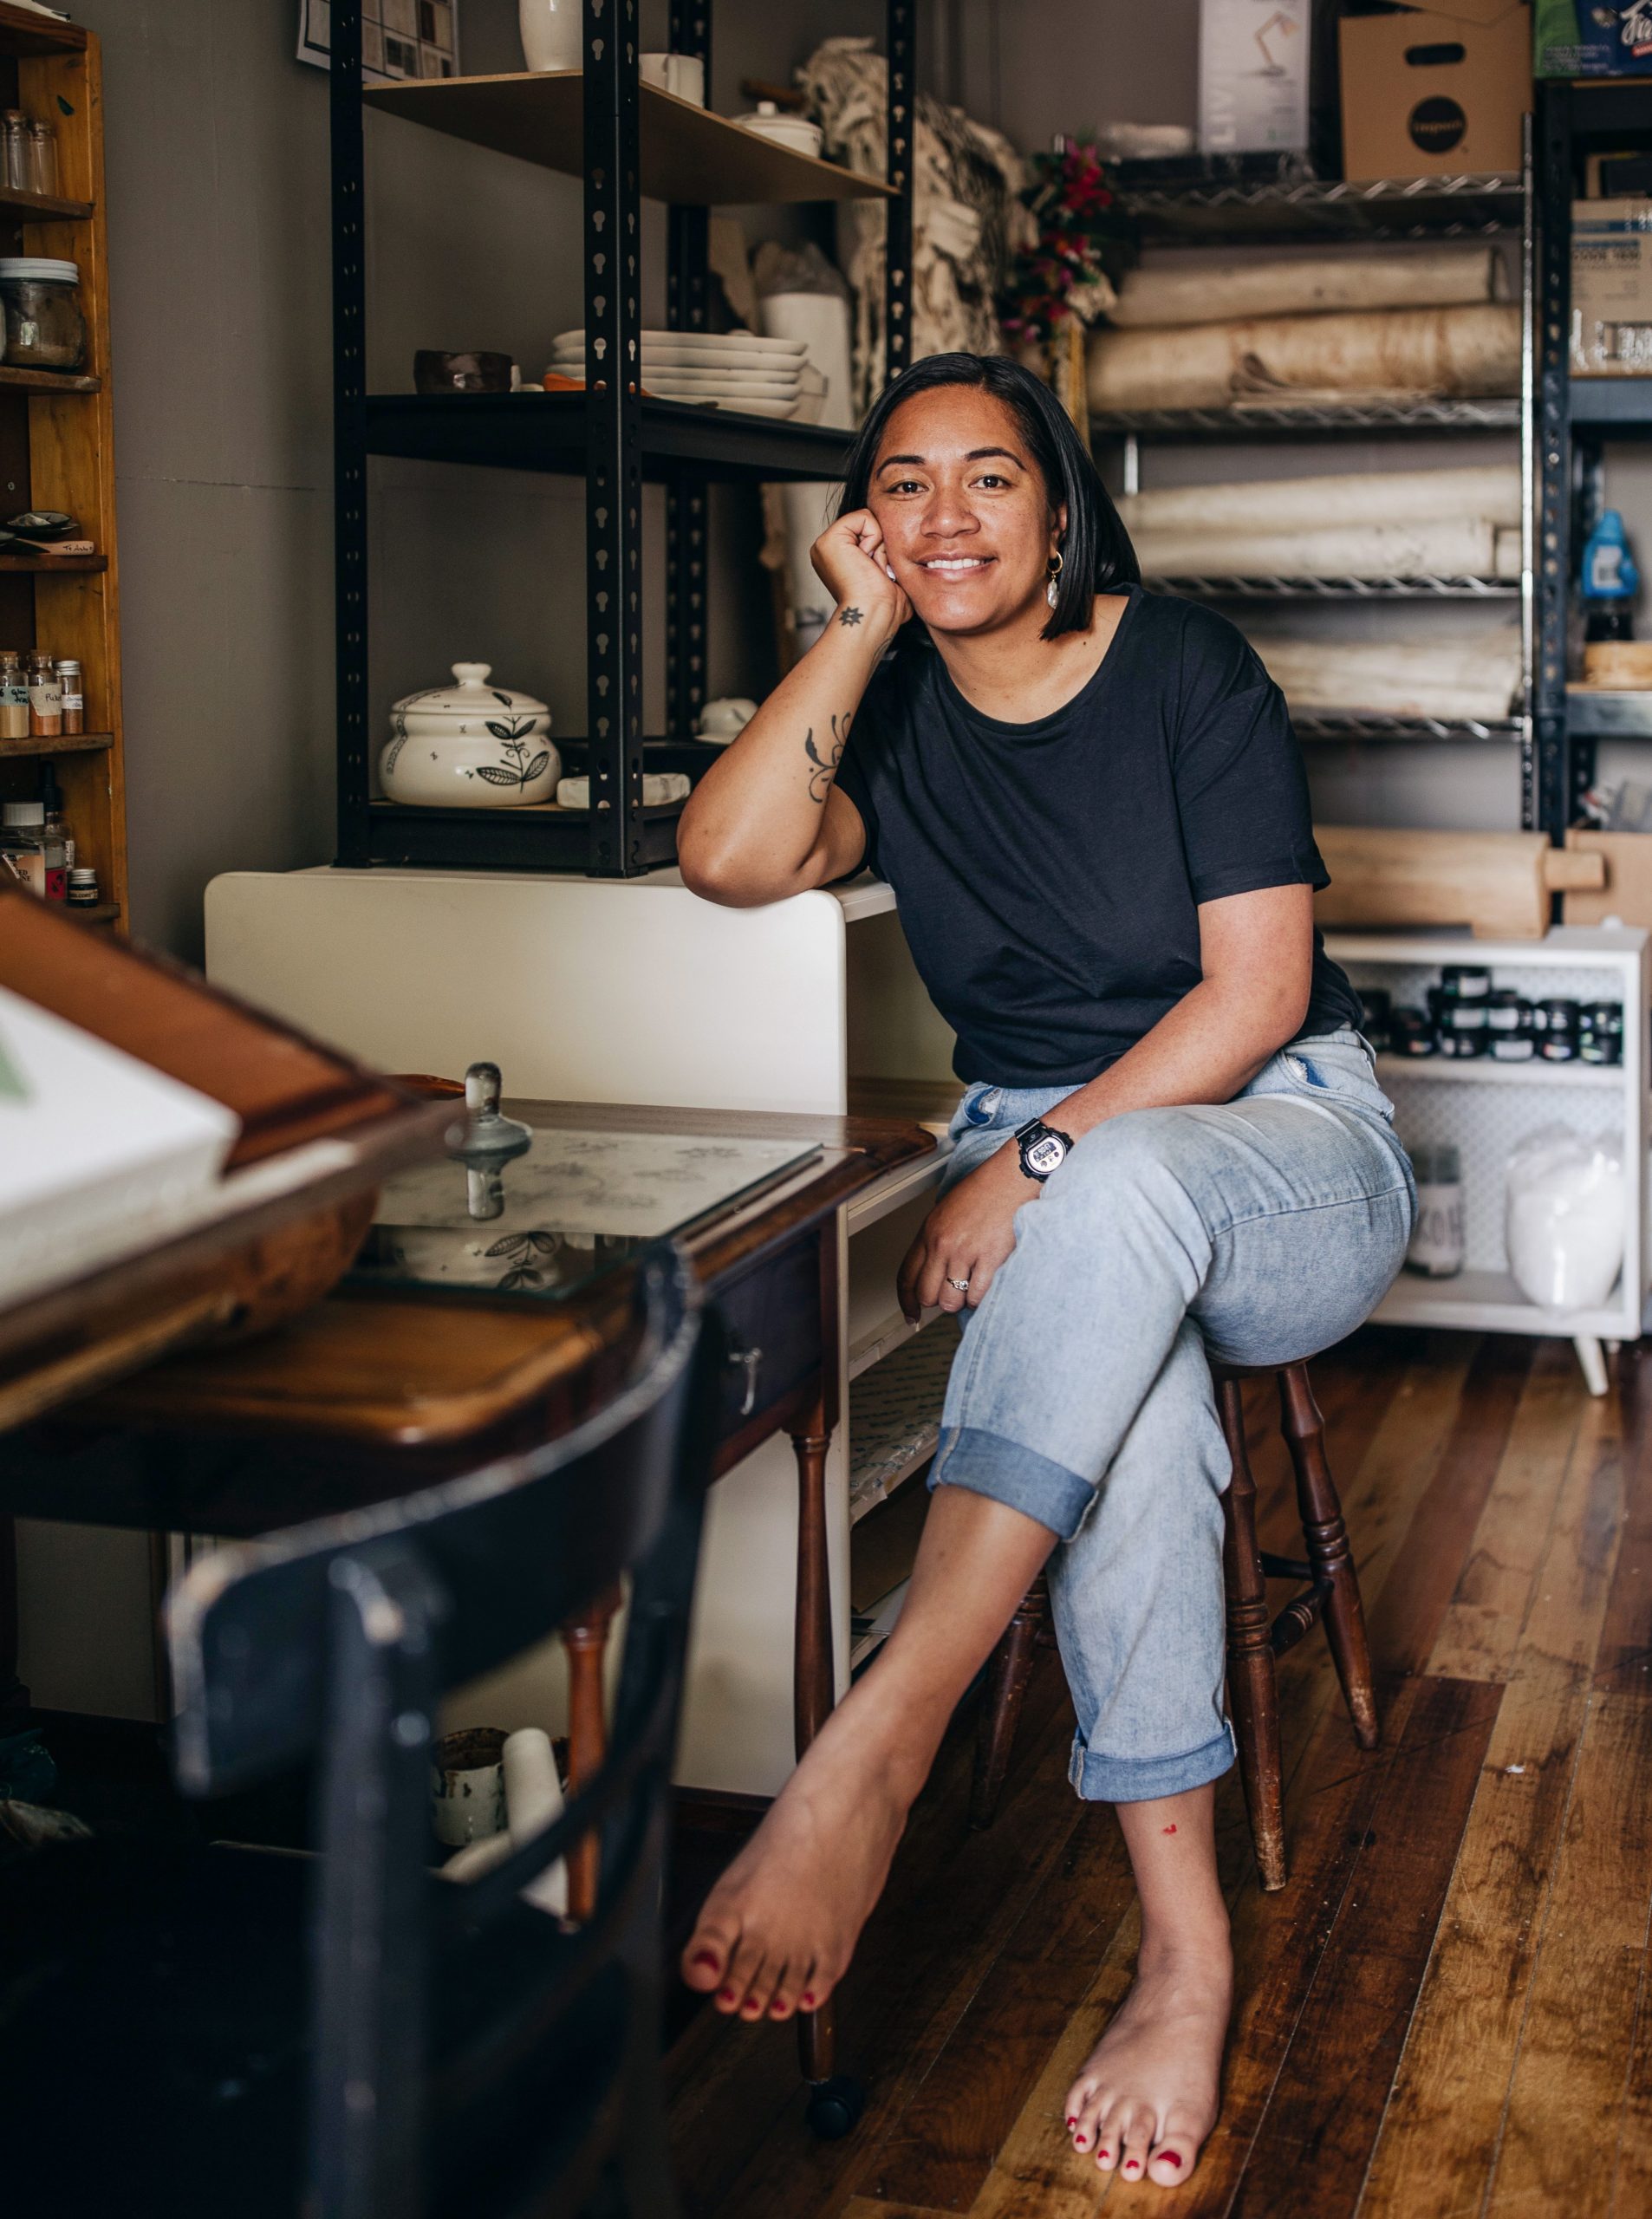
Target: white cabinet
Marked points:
614	990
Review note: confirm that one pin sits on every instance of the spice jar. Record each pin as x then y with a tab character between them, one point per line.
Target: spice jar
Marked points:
41	159
45	697
14	697
14	149
44	327
69	678
35	854
1437	1247
82	888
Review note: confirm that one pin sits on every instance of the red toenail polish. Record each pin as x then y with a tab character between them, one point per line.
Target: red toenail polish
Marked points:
1073	2121
1104	2153
1081	2142
704	1957
1132	2164
806	2002
1171	2159
726	1995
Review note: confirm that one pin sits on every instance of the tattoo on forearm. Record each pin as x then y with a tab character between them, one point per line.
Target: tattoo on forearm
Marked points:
848	615
824	767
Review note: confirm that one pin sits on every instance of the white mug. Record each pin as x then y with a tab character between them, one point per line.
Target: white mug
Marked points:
550	33
682	73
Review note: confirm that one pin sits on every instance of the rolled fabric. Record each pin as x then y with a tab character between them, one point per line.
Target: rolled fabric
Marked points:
1441	549
1509	559
1440	352
533	1801
1252	284
1345	497
1467	676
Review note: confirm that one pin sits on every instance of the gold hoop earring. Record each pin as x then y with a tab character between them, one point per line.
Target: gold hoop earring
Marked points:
1055	572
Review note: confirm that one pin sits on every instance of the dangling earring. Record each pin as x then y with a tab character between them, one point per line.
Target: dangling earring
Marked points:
1055	572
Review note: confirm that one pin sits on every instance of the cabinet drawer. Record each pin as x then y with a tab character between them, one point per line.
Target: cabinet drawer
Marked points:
772	1315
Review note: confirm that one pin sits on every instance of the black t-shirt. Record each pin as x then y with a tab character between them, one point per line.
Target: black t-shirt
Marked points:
1049	874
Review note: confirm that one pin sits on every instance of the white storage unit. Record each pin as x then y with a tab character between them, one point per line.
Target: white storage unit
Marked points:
637	991
1483	1108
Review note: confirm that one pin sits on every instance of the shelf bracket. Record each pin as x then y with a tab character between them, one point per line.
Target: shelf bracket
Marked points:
1548	804
612	245
898	170
686	287
349	432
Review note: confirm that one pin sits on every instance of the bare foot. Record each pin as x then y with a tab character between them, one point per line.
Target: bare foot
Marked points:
778	1929
1150	2090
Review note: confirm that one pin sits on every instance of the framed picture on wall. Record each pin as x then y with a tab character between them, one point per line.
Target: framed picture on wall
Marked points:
399	38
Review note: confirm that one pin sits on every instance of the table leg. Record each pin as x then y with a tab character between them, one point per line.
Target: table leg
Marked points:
813	1681
586	1640
13	1696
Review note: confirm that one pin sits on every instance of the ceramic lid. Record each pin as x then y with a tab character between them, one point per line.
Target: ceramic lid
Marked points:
472	695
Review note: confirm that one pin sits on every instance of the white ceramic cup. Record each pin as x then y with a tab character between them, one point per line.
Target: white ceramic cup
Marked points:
682	73
550	33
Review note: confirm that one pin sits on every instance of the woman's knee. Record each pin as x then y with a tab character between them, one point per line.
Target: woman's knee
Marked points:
1127	1165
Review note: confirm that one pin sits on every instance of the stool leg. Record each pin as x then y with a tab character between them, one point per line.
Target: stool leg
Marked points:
1253	1688
1327	1551
1007	1675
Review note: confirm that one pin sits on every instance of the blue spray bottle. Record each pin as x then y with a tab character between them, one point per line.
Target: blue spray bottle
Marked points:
1609	581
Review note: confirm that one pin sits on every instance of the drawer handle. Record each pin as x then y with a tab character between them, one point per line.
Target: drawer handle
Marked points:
748	1361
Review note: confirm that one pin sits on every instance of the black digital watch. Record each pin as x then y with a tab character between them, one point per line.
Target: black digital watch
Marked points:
1043	1148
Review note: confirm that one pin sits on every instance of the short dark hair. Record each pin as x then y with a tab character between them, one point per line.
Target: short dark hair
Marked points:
1097	553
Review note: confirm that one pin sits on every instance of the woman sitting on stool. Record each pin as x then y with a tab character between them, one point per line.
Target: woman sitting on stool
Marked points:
1092	809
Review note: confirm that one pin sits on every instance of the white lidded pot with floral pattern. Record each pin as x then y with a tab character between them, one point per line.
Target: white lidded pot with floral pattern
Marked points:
471	745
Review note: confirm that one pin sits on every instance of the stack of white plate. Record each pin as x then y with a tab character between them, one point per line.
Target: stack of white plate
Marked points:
759	377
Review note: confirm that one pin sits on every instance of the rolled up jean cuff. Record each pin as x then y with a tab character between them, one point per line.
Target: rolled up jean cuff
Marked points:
1139	1780
988	1464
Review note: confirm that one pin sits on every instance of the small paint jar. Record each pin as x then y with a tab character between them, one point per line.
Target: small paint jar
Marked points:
1466	982
1555	1017
82	888
1520	1047
1462	1045
1507	1011
1411	1032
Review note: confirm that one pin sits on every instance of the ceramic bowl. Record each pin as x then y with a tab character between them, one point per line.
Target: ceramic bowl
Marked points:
723	720
471	746
793	132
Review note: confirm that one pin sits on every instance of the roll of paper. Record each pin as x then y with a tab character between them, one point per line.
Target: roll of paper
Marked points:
1340	497
1440	550
1252	284
1450	677
1440	352
533	1801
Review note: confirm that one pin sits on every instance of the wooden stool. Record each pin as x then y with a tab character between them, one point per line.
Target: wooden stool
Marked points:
1253	1641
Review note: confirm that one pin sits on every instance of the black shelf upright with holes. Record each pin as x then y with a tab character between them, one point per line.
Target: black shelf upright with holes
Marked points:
1576	419
611	433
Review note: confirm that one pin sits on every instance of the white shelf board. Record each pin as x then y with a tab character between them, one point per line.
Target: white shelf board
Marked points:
1490	1301
884	1338
884	1614
1578	947
864	897
895	1413
1481	1071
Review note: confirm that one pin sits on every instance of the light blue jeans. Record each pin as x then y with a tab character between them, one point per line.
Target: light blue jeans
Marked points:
1259	1231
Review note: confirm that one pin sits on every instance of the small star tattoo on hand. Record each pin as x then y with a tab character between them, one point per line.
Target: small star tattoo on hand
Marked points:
848	615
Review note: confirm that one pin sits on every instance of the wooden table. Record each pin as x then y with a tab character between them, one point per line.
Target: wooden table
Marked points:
372	1391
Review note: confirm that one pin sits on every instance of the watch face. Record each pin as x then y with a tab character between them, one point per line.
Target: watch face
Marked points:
1045	1154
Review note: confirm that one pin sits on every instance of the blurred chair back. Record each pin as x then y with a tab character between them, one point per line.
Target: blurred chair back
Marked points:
469	2051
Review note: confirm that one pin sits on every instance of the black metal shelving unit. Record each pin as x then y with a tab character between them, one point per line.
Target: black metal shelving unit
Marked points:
1329	211
1576	419
624	139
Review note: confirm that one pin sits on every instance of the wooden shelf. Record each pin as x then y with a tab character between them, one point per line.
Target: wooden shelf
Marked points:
547	431
48	381
61	743
689	156
22	32
43	207
68	564
100	913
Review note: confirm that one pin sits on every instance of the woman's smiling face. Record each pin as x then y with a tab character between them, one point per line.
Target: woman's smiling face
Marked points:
964	511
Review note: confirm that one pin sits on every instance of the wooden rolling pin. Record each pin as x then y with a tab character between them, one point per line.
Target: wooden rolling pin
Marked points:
1497	882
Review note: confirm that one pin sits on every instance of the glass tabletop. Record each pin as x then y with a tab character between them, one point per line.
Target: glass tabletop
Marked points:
571	1204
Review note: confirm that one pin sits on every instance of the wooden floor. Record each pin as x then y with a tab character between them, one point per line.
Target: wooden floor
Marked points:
1447	2011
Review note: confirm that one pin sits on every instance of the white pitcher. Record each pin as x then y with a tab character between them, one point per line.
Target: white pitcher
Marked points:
550	33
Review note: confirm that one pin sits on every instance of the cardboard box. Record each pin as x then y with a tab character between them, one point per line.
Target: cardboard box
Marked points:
1627	894
1437	91
1253	76
1575	38
1611	289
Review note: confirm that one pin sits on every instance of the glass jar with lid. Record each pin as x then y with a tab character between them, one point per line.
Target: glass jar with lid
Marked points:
14	149
40	164
41	296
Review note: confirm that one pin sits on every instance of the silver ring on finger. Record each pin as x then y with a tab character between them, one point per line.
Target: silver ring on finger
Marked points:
962	1285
